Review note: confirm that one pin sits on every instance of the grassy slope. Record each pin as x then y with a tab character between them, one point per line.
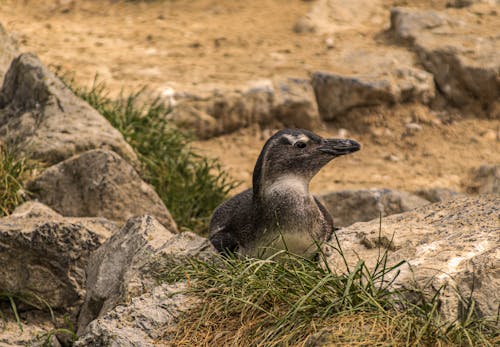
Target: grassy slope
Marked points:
252	302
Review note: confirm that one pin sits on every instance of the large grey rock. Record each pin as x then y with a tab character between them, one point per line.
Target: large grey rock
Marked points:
370	77
351	206
8	51
118	270
460	48
46	120
437	194
99	183
454	243
289	101
483	180
142	322
45	254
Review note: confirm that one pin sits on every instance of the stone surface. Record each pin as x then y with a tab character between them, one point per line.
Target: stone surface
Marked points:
140	323
437	194
46	120
484	179
351	206
370	77
290	101
99	183
47	255
118	271
8	51
454	243
460	48
333	16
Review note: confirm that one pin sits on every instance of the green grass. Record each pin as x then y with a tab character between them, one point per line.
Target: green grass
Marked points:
190	185
13	170
270	302
26	298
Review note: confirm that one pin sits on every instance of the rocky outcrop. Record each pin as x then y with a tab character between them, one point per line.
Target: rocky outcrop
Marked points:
455	243
99	183
118	270
351	206
460	49
48	122
437	194
333	16
382	84
289	101
483	180
140	323
8	51
45	254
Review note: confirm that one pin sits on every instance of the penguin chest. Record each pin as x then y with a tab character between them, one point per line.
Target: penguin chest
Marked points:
292	223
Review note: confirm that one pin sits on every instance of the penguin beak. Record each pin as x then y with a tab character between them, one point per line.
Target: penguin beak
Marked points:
339	147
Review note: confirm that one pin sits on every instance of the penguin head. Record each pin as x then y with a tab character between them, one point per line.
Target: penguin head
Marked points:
297	153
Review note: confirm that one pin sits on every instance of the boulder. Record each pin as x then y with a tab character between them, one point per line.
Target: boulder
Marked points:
333	16
454	244
44	254
351	206
290	101
370	77
48	122
467	3
460	48
140	323
8	51
119	269
437	194
99	183
483	180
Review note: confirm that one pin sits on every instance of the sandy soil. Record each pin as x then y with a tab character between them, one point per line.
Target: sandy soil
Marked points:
192	44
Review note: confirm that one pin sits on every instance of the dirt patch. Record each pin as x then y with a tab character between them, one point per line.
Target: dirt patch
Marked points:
201	43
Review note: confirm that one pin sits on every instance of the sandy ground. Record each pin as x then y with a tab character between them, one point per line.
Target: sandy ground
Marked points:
192	44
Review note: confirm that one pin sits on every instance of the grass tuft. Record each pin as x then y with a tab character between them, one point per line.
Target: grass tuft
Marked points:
272	302
12	172
190	185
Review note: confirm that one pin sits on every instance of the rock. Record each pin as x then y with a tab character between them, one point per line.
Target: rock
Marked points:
453	243
142	322
379	76
8	51
295	103
333	16
127	255
46	254
466	3
460	48
351	206
48	122
99	183
437	194
34	209
290	101
483	180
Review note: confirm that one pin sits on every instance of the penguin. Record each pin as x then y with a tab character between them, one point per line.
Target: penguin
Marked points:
278	212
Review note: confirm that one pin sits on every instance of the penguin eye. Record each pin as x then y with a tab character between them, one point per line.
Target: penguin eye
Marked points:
300	144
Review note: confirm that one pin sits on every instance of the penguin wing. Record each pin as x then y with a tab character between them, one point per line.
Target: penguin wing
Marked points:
327	217
231	221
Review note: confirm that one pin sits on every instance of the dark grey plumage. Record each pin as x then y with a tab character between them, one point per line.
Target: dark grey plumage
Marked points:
279	212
